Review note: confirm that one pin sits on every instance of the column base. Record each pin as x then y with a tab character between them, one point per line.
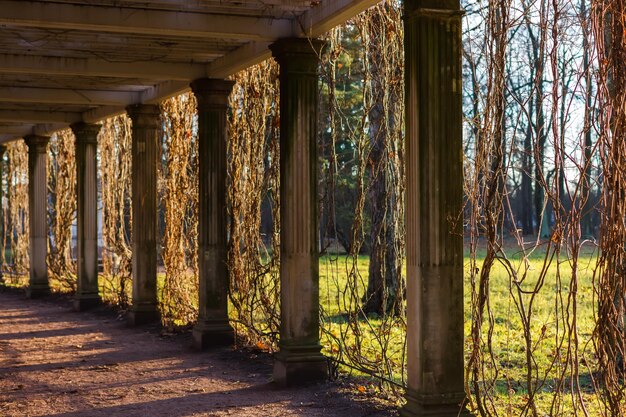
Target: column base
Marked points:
207	334
453	406
38	291
142	317
300	366
84	302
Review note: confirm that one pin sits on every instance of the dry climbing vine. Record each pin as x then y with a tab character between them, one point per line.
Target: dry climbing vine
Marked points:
114	145
366	329
62	208
253	193
610	33
178	196
16	269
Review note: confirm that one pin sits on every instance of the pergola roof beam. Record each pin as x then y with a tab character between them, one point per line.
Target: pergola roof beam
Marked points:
162	91
154	80
46	129
11	131
240	59
328	14
99	18
152	95
313	23
36	116
15	129
95	67
67	96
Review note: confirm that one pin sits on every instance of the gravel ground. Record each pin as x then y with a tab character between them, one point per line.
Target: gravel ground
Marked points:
56	362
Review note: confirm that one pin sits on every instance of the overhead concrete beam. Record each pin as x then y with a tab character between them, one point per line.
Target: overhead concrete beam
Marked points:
313	23
101	113
240	59
268	5
127	20
47	129
8	138
34	116
15	129
67	96
152	95
94	67
162	91
327	15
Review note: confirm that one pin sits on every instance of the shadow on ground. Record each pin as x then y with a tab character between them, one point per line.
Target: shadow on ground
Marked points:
56	362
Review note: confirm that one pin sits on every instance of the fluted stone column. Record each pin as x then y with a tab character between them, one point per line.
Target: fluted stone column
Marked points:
87	295
145	118
3	149
37	214
434	195
299	359
213	327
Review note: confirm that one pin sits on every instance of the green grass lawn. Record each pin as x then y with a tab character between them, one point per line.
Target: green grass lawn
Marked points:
550	319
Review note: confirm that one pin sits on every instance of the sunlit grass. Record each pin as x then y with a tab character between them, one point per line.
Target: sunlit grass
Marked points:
550	312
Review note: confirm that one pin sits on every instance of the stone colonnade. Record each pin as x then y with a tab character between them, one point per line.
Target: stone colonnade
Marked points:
213	326
144	154
299	356
434	197
87	214
434	208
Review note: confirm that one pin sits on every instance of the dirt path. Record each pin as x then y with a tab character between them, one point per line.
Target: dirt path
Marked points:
55	362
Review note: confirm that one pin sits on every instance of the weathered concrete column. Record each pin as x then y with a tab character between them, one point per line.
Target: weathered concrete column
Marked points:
213	327
87	295
299	359
145	118
434	230
2	217
37	214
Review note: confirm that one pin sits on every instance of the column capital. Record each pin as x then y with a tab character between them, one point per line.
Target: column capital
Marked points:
37	143
144	115
212	92
297	55
438	10
86	132
434	7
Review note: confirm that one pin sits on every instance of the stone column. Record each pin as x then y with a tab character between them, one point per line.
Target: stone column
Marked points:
38	214
145	143
434	195
299	359
213	327
3	149
87	295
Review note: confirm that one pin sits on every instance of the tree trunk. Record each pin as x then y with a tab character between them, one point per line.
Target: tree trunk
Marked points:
384	271
526	187
537	54
587	215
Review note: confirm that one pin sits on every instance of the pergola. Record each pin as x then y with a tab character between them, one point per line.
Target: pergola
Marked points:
71	63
